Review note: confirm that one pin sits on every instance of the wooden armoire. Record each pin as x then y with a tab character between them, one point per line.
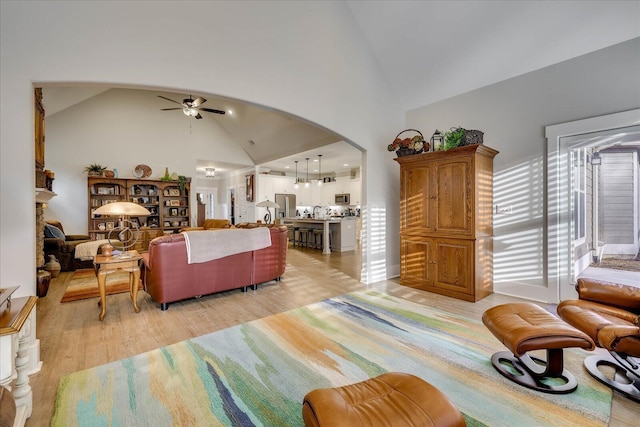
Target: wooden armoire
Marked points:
446	221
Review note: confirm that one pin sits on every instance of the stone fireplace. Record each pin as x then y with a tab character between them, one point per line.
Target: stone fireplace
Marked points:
39	235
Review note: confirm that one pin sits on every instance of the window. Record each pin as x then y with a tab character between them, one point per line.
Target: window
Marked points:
211	206
579	191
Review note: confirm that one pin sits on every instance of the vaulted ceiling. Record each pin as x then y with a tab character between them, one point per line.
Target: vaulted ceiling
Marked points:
428	51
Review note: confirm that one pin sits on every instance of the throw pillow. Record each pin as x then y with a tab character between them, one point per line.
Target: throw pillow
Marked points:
52	231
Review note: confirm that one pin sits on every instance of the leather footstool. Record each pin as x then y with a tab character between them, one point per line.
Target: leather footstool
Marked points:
393	399
524	327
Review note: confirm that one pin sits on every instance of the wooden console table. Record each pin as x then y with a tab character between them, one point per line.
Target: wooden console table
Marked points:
16	327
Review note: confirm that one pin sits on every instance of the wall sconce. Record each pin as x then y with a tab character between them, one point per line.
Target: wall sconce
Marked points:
596	159
209	172
437	141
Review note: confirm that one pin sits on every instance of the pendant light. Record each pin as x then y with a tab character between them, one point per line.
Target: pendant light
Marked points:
306	183
296	185
319	169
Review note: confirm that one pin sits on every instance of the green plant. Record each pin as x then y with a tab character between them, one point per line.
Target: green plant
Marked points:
182	182
453	138
95	168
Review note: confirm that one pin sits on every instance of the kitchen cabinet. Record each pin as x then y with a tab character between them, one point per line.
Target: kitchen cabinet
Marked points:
355	189
308	196
446	221
327	194
269	185
343	235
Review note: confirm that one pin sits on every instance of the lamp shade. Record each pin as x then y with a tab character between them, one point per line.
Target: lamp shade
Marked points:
122	208
268	204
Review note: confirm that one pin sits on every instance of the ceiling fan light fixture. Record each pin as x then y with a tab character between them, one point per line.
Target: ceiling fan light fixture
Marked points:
190	111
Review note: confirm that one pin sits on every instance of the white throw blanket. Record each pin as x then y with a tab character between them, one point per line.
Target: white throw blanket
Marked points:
89	249
207	245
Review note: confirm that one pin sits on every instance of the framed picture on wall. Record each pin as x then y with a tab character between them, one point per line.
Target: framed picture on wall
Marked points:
249	185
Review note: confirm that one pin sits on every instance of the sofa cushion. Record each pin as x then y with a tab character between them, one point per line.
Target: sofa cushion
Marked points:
53	232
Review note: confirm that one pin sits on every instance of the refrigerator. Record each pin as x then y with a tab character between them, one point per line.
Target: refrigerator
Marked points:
287	203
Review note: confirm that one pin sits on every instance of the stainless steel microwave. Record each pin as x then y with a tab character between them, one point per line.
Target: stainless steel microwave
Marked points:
343	199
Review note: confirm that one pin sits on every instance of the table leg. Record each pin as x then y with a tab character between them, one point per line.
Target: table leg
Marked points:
102	279
134	279
325	239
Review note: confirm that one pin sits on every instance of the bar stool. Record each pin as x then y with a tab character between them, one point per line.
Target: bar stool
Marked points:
292	229
317	232
303	232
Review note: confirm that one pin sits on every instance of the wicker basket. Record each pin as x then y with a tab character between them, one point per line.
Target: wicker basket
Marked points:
405	151
472	137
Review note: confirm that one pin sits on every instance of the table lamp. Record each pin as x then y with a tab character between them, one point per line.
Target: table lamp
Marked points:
126	230
268	204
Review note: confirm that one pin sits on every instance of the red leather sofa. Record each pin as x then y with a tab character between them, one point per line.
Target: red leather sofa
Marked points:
167	276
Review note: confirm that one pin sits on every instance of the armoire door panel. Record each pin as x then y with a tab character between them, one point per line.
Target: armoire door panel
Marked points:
414	206
454	197
454	261
416	263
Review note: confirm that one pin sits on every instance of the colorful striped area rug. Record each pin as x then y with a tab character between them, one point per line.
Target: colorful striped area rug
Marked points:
256	374
84	284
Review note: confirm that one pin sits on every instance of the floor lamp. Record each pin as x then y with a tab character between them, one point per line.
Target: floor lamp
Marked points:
126	230
268	204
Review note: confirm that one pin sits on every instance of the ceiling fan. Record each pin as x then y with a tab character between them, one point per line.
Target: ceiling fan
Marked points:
191	107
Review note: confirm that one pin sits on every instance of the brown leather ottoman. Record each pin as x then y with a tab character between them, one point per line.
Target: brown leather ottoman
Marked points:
392	399
524	327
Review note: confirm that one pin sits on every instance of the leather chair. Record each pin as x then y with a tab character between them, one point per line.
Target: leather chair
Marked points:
610	314
64	250
210	224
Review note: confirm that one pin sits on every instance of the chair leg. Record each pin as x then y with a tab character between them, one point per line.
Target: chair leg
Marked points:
627	372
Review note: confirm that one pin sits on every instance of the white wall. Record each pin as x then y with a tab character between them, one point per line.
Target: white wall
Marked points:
120	129
305	58
513	114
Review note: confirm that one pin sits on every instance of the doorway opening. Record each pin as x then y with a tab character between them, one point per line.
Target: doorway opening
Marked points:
605	209
575	212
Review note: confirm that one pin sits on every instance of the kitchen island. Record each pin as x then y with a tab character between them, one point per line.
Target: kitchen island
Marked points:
343	231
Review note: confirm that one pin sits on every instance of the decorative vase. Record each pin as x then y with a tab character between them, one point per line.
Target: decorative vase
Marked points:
53	266
106	249
166	174
43	280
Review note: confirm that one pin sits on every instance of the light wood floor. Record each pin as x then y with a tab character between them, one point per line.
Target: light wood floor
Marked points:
72	338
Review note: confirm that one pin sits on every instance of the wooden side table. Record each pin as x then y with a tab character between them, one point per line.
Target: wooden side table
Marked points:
104	265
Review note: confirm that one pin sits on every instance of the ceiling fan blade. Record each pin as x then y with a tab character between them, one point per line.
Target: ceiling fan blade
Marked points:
211	110
198	101
163	97
198	116
167	109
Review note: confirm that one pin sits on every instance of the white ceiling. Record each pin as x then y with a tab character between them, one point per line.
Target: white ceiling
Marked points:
428	51
433	50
